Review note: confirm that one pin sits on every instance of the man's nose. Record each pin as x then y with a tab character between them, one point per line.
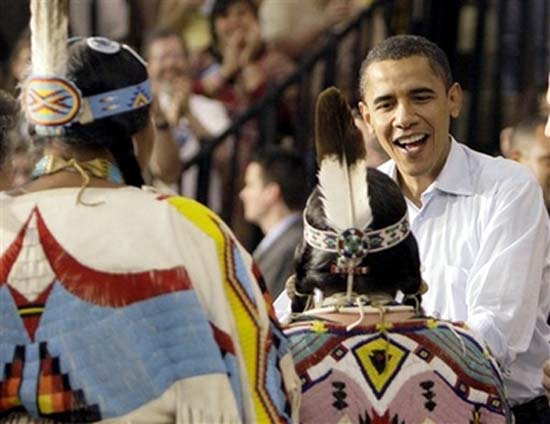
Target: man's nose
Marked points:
404	115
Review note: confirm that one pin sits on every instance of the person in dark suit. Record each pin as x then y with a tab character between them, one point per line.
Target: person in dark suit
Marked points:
273	197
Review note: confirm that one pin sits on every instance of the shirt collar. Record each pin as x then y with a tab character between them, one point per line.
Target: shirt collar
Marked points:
454	178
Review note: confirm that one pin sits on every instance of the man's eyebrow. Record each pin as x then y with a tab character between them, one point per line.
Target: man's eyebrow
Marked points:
384	98
422	90
415	91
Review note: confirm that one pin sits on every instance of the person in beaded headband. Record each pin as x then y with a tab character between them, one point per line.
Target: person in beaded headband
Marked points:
384	272
120	304
361	355
90	94
367	246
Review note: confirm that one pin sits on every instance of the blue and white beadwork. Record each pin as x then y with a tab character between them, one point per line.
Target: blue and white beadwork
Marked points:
354	243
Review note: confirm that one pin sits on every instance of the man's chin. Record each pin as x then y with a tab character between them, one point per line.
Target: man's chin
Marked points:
411	170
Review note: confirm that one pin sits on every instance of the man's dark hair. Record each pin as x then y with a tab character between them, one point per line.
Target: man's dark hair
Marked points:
526	131
161	34
287	169
396	268
402	47
8	118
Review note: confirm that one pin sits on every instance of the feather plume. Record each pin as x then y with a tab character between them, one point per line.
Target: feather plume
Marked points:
341	157
49	26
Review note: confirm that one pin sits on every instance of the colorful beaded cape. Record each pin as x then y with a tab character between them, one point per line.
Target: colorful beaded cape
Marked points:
151	295
421	370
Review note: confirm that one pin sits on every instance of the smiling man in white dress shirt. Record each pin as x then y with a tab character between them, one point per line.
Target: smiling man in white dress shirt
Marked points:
480	222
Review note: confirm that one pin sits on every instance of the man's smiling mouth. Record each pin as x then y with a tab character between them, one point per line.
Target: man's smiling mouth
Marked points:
411	143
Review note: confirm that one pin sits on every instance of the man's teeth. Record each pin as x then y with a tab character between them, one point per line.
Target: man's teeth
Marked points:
411	139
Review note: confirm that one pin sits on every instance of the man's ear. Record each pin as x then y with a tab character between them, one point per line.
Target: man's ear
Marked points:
455	98
365	116
273	192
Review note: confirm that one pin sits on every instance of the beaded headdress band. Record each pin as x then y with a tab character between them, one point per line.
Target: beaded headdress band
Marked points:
354	243
52	102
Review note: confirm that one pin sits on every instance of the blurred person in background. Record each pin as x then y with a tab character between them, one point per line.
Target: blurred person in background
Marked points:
180	113
8	118
275	188
296	26
529	146
18	63
243	66
241	72
189	19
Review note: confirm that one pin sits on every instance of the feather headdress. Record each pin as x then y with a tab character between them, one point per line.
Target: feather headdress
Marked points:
49	27
341	157
342	182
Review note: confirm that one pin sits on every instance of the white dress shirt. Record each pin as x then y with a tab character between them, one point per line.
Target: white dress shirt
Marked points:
484	243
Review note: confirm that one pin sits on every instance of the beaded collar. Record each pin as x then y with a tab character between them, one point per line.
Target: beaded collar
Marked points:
97	168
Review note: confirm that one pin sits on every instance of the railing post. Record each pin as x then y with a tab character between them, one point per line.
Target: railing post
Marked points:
303	113
501	8
229	206
268	124
203	177
331	57
475	75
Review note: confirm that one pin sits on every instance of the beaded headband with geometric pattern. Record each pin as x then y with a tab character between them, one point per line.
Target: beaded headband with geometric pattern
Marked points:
53	103
354	243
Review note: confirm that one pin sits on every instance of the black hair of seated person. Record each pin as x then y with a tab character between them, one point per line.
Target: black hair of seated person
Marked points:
95	72
397	268
220	8
8	118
